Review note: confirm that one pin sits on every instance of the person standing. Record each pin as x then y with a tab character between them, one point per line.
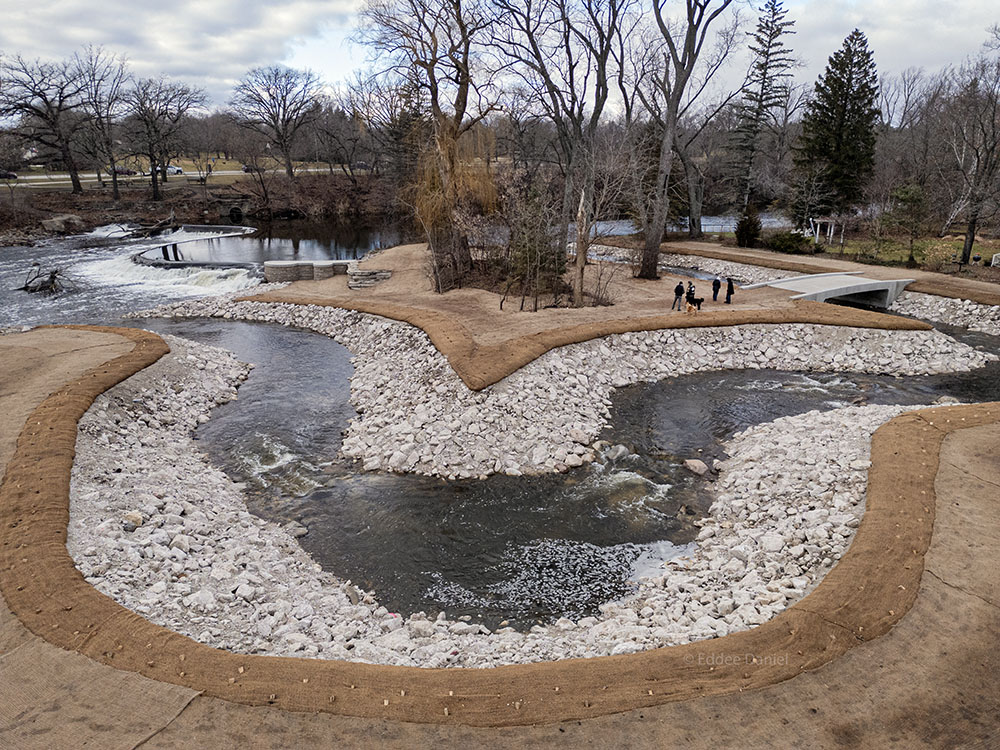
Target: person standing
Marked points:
729	290
716	286
678	296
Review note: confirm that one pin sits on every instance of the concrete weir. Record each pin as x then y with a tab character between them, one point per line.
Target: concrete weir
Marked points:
304	270
842	286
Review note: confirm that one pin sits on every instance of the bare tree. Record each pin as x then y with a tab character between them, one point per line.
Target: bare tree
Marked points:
342	138
157	109
11	159
563	51
46	99
251	151
683	45
106	77
692	148
973	135
993	43
393	115
277	102
437	44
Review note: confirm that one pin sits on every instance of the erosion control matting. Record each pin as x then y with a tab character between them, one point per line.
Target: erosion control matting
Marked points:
51	698
869	591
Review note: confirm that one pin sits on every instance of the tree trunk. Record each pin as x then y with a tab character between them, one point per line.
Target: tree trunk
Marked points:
287	156
565	212
582	243
661	206
970	234
115	192
696	197
153	177
74	174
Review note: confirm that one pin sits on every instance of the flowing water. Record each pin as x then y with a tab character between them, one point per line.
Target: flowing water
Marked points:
523	549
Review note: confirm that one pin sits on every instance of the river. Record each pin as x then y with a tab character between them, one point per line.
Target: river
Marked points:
524	549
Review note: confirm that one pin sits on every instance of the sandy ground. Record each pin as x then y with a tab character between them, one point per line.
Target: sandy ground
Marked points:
875	678
484	344
928	282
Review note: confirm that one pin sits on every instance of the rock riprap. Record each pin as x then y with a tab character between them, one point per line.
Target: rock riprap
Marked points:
957	312
157	528
741	273
416	415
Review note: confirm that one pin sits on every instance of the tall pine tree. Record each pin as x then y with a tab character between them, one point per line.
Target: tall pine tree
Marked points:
838	129
765	89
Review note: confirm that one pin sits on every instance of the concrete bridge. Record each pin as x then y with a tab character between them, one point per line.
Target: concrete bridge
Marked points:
842	286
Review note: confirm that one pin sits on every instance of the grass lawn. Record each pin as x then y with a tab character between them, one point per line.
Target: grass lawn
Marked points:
932	253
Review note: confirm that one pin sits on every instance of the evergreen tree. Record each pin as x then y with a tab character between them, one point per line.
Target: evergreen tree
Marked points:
766	88
838	128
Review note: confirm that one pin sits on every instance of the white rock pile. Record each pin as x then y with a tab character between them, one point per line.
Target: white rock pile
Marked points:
742	273
956	312
161	531
416	415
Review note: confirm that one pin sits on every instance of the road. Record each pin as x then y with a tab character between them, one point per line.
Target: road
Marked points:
59	180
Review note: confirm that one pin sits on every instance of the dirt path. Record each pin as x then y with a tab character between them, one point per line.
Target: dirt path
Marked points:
928	282
485	344
847	666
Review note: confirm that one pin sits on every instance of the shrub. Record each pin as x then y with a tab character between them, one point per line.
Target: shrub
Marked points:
789	242
748	228
938	256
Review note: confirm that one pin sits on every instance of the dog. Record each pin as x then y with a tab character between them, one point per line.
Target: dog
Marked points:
694	305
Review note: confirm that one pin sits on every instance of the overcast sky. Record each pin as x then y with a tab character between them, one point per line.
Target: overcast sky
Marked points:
211	43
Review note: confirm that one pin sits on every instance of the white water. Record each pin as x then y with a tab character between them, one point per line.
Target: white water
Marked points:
121	271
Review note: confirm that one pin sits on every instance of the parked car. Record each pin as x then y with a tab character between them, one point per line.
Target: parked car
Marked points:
5	175
252	168
119	169
172	169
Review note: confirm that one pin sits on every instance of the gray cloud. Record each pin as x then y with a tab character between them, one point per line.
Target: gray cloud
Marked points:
901	33
208	43
212	43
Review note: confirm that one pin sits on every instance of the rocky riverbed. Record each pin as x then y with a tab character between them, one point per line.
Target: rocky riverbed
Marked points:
160	530
416	415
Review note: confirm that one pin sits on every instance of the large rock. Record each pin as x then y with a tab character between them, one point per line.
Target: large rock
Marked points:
771	542
63	224
697	466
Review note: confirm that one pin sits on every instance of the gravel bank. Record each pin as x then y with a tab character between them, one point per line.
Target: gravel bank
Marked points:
416	415
158	529
956	312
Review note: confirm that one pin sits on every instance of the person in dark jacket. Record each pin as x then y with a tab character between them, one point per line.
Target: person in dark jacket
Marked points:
729	290
716	286
678	296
